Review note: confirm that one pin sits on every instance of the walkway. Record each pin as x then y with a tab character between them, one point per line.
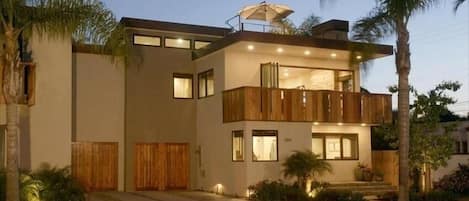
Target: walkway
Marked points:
160	196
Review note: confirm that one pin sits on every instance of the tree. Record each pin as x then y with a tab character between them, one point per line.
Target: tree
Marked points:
304	165
87	20
430	149
391	17
305	29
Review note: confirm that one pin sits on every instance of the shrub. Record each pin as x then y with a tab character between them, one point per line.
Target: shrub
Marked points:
58	184
29	187
276	191
430	196
338	195
457	182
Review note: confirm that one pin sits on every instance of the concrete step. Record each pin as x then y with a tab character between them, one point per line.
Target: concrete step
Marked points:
371	190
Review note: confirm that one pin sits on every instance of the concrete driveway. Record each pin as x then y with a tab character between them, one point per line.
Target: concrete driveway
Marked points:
159	196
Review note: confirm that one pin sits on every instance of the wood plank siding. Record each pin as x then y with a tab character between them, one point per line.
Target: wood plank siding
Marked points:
293	105
94	165
161	166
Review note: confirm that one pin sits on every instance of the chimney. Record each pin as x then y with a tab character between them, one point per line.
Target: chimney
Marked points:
332	29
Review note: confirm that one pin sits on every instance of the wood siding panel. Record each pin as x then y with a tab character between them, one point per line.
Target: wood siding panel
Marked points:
95	165
161	166
388	163
293	105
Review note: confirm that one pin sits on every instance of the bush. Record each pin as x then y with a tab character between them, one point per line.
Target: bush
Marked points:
58	184
277	191
338	195
430	196
47	184
457	182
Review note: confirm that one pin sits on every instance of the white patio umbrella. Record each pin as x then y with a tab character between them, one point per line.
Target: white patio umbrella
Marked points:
265	12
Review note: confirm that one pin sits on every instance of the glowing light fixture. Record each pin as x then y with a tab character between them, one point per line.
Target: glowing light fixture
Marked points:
307	52
180	41
286	74
363	124
359	57
250	47
316	123
279	50
333	55
340	124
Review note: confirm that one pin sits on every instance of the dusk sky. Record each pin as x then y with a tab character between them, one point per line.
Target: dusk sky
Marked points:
439	37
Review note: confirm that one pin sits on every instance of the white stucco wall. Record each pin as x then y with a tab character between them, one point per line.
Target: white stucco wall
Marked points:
243	68
51	116
453	165
100	97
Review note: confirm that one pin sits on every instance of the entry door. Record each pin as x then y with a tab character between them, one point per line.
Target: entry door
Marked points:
161	166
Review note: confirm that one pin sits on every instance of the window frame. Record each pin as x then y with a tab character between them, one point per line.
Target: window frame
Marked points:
204	74
341	135
232	145
176	38
184	75
203	41
264	133
147	35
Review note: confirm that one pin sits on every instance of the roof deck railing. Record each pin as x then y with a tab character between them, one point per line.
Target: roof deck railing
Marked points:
237	24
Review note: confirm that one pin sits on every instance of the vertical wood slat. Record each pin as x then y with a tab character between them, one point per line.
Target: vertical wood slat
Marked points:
159	166
267	104
95	165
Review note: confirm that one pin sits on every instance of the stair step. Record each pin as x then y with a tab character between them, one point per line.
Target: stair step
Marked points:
361	187
359	184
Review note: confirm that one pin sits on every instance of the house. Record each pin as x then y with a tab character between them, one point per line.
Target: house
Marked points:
199	107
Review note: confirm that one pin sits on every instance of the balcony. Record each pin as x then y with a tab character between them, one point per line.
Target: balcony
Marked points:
294	105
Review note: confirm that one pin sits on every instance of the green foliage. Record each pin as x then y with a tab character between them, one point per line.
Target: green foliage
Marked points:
429	196
29	187
457	181
338	195
58	184
276	191
303	30
305	165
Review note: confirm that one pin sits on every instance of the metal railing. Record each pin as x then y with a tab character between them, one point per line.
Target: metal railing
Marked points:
236	24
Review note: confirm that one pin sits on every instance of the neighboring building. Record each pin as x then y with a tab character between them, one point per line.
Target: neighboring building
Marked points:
202	107
461	151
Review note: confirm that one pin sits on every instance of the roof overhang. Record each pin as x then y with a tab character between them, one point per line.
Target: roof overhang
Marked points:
379	50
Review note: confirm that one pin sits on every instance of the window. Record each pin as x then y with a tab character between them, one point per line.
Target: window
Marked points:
177	43
182	85
238	146
264	145
206	84
147	40
335	146
200	44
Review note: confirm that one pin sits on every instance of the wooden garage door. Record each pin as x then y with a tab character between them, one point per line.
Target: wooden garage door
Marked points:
94	165
161	166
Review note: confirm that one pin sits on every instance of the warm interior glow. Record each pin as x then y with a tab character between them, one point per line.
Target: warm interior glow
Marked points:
340	124
180	41
279	50
264	148
333	55
307	52
363	124
316	123
250	47
359	57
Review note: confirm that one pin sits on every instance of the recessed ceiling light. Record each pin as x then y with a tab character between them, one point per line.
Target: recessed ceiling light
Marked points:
359	57
250	47
307	52
286	74
316	123
333	55
279	50
363	124
340	124
179	40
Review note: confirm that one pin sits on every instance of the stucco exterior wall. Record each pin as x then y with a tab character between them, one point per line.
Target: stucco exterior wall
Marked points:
243	67
99	103
151	112
51	115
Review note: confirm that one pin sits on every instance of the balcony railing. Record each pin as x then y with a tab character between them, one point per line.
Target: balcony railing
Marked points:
293	105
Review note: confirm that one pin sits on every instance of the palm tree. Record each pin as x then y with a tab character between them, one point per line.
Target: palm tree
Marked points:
289	28
304	165
86	20
391	17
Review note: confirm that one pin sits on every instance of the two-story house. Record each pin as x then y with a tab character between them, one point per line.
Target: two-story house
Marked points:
201	107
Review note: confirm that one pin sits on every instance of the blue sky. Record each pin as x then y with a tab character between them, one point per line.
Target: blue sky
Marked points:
439	37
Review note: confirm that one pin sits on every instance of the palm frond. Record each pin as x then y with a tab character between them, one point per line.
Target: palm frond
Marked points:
457	4
376	26
404	9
